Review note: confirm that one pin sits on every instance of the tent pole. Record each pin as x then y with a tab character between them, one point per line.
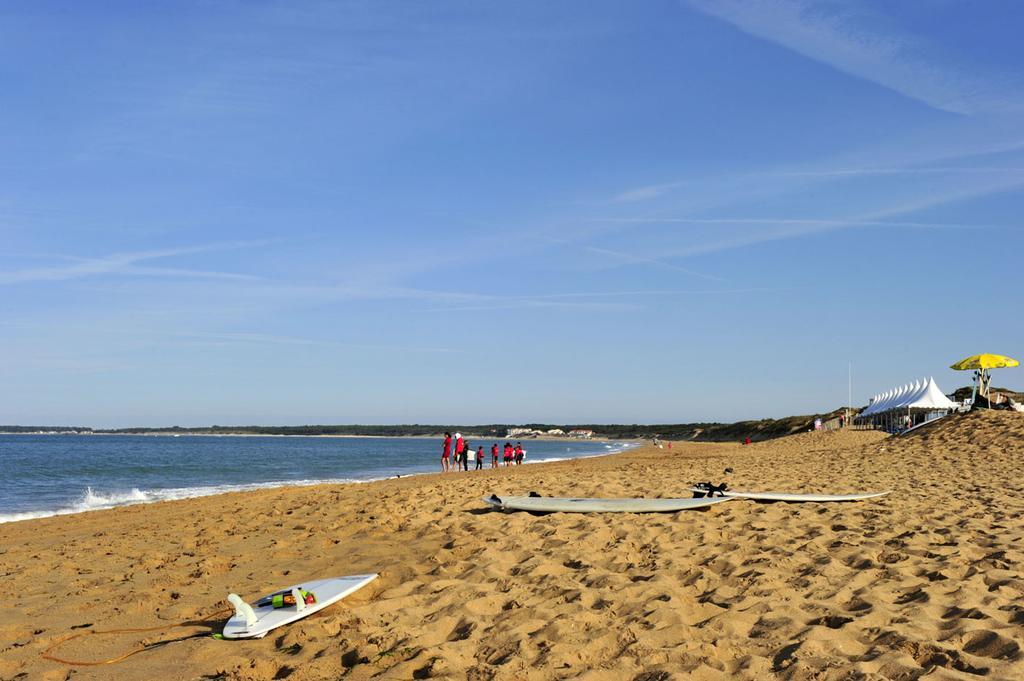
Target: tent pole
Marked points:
849	393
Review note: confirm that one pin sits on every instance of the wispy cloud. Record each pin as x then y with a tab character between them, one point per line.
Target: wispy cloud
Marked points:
644	260
777	230
821	32
964	149
798	222
500	306
854	172
655	292
234	338
69	363
260	338
822	173
127	264
177	272
590	299
646	193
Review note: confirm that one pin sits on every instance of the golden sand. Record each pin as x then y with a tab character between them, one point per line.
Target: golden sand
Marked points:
924	582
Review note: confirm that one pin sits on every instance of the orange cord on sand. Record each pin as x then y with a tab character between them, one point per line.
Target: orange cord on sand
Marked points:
90	663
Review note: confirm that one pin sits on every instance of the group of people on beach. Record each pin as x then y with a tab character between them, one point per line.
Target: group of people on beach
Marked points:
460	457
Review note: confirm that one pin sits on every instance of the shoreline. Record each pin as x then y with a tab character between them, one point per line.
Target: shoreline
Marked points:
216	490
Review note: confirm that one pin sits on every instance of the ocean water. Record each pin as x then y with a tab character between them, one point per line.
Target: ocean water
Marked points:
48	475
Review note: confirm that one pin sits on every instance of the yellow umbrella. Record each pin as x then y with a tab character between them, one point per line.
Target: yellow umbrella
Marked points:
985	361
982	363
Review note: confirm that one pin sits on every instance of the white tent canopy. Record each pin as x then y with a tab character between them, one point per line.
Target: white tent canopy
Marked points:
922	395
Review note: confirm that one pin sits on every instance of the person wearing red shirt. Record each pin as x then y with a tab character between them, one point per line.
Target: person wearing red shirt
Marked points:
494	455
519	453
446	452
480	458
460	450
507	457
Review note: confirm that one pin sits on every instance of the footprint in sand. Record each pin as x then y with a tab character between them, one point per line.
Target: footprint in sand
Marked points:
830	621
985	643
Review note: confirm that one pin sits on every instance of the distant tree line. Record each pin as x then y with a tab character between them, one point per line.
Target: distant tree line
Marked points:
44	429
699	432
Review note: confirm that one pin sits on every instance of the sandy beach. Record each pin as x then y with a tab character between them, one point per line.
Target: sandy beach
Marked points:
923	582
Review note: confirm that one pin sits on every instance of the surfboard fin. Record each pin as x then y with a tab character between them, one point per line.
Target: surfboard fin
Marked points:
243	609
300	600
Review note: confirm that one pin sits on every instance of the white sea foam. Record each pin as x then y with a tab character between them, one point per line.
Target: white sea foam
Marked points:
551	459
98	501
617	448
92	500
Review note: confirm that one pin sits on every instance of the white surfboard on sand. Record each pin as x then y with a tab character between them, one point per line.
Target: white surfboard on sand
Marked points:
786	496
250	621
582	505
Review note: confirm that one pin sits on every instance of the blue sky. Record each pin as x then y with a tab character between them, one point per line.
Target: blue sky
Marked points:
461	212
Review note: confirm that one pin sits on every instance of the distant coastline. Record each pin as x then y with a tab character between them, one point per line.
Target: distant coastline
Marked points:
191	433
763	429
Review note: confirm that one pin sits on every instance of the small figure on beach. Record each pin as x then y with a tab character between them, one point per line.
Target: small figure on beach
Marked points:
480	458
494	455
519	453
507	455
460	449
446	451
466	451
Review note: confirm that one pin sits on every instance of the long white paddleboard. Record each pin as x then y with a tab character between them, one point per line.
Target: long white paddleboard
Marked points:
785	496
577	505
250	621
921	425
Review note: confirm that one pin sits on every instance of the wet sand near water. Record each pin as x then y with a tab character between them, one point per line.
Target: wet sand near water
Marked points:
925	582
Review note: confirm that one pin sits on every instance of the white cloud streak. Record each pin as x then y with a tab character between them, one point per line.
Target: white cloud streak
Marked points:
646	193
797	228
574	300
854	172
126	264
643	260
950	147
818	31
807	222
235	338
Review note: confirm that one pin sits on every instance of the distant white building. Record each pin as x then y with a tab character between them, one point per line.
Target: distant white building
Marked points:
556	432
583	434
522	432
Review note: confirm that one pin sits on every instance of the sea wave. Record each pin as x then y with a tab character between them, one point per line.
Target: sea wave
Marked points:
616	448
91	500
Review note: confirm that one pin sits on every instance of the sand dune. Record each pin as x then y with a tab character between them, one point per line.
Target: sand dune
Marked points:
924	582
